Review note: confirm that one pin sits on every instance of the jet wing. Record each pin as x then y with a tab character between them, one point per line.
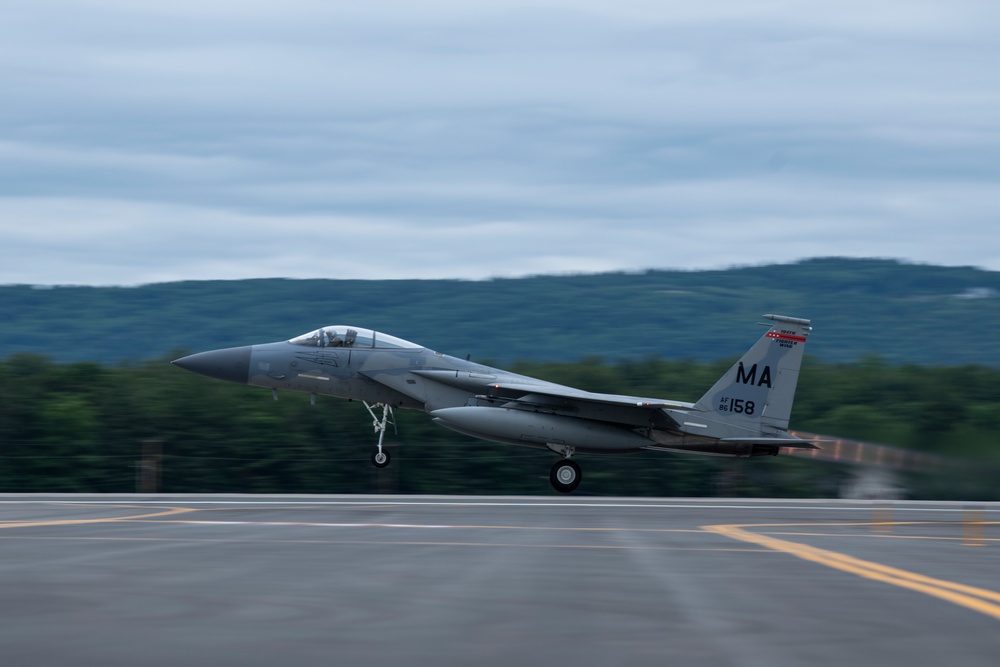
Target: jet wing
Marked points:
629	411
571	394
513	390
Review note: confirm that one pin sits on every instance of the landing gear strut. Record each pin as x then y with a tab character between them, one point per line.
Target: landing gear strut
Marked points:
565	474
381	458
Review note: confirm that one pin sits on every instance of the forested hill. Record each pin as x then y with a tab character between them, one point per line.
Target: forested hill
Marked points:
903	313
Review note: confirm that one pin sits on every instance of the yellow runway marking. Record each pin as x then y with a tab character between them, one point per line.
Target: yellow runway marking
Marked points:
143	518
981	600
69	522
932	538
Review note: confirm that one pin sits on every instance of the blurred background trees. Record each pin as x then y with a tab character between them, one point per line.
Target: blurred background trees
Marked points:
79	427
902	354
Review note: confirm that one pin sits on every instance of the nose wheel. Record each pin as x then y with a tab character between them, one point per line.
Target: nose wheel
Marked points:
380	459
565	476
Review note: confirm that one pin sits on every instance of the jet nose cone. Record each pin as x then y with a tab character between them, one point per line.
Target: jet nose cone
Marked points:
231	364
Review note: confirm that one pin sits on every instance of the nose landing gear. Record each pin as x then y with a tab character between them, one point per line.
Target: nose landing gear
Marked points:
381	458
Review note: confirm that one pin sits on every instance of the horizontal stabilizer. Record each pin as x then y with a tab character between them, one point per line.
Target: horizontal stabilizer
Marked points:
780	442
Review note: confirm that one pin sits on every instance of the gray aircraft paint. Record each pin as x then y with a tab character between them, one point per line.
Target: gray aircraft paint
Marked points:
745	413
764	378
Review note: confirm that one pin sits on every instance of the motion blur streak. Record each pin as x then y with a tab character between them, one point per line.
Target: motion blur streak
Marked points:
969	597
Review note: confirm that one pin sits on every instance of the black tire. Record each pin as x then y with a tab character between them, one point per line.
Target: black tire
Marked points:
381	460
565	476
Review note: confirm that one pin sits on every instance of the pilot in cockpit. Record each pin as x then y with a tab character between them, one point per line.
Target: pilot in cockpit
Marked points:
333	339
349	339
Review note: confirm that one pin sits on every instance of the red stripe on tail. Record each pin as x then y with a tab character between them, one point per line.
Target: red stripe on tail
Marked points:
781	336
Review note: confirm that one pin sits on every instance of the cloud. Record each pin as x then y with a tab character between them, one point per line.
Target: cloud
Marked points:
227	140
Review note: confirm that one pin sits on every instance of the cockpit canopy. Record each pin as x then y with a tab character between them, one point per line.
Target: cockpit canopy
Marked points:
344	336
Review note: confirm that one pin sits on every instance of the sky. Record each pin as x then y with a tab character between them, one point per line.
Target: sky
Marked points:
146	142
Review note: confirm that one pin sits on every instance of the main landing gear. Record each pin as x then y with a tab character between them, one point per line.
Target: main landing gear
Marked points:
381	458
565	474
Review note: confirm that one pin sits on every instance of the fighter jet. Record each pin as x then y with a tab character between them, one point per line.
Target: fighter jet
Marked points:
744	414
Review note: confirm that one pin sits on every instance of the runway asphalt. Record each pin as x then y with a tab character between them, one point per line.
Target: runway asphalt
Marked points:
478	581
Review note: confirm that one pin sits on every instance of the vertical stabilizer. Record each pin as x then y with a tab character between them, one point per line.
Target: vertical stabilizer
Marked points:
754	398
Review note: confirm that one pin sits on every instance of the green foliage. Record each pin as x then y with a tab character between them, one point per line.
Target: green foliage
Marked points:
80	427
904	313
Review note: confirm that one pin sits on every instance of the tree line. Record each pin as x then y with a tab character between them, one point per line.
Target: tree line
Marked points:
88	427
903	312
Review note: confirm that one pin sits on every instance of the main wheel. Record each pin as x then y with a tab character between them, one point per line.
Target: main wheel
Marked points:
380	459
565	476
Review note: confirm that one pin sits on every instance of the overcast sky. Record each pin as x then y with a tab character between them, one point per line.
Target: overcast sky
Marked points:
158	141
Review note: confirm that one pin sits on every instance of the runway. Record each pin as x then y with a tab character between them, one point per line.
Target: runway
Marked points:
419	580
